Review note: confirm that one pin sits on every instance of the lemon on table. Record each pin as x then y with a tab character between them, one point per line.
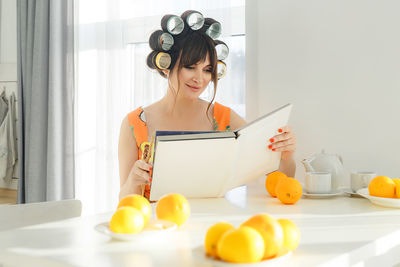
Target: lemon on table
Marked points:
173	207
291	234
382	186
397	183
213	235
272	180
270	230
242	245
127	220
139	202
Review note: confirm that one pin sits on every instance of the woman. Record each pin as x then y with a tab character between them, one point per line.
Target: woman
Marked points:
190	64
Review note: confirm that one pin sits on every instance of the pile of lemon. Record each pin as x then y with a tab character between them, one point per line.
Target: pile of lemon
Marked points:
287	189
260	237
383	186
134	212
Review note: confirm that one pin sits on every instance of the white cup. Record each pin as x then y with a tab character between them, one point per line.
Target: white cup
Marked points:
360	180
318	182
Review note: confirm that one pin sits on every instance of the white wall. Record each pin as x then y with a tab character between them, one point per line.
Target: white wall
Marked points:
338	62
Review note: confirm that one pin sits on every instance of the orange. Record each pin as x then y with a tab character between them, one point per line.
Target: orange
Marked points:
213	236
288	190
397	183
174	208
139	202
272	181
127	220
242	245
291	234
270	230
382	186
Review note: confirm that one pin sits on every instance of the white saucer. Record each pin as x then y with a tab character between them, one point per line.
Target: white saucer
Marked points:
153	229
381	201
333	193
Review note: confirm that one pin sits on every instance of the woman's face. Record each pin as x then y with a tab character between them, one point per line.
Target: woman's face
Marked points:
193	79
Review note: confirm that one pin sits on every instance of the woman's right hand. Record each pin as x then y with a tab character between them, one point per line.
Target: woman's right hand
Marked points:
140	173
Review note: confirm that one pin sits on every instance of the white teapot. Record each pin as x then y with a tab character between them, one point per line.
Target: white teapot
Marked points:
324	162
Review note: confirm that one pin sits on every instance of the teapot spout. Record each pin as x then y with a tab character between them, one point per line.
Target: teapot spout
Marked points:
307	165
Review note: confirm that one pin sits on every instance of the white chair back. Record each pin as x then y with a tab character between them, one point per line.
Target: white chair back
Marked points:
19	215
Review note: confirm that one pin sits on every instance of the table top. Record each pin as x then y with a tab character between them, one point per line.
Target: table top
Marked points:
337	231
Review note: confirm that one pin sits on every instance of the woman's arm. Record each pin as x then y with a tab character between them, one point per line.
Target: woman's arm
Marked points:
132	172
284	142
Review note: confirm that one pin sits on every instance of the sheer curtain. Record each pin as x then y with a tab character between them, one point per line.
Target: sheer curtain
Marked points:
112	79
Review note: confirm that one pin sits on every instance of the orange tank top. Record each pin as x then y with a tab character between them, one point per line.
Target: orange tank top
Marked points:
137	123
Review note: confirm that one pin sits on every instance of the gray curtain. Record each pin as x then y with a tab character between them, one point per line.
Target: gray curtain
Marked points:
45	91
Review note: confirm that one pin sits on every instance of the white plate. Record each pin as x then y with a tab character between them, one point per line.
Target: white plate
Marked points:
381	201
323	195
153	229
281	260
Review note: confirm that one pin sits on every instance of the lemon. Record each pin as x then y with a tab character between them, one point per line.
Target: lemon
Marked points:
397	183
291	234
127	220
173	207
242	245
270	230
139	202
382	186
213	235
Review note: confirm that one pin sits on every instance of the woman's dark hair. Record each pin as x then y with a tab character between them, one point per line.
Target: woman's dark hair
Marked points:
194	48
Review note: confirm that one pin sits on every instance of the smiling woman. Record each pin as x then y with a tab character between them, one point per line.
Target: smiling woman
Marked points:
112	79
191	66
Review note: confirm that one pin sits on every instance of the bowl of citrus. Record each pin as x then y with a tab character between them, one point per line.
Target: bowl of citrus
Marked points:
383	191
132	219
260	240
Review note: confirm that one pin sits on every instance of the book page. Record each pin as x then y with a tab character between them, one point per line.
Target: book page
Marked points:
193	168
253	158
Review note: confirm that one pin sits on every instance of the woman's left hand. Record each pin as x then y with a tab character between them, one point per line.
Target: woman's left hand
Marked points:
284	142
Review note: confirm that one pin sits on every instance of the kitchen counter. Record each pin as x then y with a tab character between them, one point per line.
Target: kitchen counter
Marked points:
337	231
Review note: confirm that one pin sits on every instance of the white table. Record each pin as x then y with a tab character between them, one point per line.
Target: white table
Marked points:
338	231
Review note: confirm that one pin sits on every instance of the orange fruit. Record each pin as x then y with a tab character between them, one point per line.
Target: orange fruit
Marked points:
291	234
213	236
127	220
139	202
174	208
242	245
272	181
270	230
288	190
397	183
382	186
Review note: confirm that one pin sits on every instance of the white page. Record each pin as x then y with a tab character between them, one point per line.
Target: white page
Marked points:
254	159
193	168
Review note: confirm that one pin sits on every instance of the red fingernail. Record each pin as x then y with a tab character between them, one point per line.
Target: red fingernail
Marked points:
151	168
271	140
273	149
151	180
280	130
270	146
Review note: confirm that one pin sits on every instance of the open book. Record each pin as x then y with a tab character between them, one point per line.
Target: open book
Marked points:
209	164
